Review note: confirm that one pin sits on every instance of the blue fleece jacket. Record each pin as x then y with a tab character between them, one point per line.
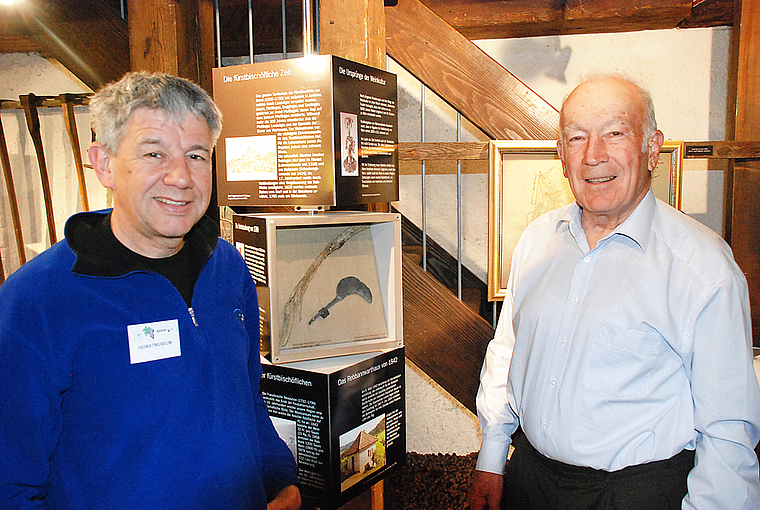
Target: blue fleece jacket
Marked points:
81	427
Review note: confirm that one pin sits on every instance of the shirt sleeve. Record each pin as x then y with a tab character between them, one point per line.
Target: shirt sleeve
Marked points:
30	421
278	465
726	402
497	419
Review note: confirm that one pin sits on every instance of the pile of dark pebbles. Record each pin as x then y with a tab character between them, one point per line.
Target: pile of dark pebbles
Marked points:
430	481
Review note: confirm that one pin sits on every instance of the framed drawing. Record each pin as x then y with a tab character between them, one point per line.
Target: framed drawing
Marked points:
525	180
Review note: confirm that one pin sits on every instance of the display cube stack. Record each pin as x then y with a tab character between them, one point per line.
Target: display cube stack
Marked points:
316	133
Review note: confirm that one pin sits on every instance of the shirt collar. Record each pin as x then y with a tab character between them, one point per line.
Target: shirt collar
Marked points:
636	226
90	237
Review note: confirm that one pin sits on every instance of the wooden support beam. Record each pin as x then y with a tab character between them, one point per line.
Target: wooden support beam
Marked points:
465	76
447	151
623	15
174	37
525	18
353	29
745	220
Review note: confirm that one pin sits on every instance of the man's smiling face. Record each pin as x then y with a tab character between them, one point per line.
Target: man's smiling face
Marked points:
161	180
601	148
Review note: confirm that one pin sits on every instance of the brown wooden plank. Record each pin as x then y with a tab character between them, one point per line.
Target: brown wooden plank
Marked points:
442	150
442	335
525	18
500	19
431	151
468	79
624	15
85	36
722	150
710	13
153	36
206	44
20	44
353	29
745	225
173	37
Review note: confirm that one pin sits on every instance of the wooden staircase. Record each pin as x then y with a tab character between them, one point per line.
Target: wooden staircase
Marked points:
444	336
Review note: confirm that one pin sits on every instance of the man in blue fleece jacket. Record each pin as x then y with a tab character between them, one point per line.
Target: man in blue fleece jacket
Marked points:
129	351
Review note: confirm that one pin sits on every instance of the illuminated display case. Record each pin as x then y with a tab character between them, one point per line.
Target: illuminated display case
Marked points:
328	284
311	131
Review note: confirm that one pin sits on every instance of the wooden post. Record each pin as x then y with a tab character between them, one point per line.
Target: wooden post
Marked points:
353	29
174	37
745	185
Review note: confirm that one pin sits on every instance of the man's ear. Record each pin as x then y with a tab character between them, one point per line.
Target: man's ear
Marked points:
559	153
100	159
653	148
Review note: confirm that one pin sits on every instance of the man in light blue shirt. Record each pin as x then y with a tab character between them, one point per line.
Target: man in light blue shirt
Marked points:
623	350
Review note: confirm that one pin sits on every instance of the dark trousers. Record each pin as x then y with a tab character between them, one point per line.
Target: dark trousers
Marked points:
535	482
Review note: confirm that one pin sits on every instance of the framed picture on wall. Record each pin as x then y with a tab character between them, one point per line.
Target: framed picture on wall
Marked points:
666	177
525	180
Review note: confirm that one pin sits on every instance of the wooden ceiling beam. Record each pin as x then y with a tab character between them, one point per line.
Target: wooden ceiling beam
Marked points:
75	34
526	18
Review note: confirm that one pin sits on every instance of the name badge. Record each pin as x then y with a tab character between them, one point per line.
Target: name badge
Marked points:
153	341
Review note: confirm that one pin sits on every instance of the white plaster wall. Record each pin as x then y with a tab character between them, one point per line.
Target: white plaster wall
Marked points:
20	74
435	421
686	73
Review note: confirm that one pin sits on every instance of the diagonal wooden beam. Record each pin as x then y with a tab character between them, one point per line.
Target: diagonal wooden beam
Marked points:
85	36
442	335
465	76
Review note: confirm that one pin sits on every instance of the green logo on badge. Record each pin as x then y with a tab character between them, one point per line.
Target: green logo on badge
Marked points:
148	331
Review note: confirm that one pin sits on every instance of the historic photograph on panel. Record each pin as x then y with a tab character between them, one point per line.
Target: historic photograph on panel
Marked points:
348	151
287	430
329	287
251	158
362	452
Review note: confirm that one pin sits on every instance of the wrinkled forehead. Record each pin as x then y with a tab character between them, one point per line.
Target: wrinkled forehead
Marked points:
609	97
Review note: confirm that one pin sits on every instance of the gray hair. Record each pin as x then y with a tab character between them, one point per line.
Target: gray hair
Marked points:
113	104
649	125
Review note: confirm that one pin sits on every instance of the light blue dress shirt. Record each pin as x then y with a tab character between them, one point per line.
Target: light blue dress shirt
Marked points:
627	353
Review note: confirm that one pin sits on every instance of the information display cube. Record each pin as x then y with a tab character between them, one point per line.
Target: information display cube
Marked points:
343	418
312	131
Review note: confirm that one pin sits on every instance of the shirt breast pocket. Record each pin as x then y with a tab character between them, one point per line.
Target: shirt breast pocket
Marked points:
621	360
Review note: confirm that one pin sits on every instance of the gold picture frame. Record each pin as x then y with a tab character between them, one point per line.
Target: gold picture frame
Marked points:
666	177
525	180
